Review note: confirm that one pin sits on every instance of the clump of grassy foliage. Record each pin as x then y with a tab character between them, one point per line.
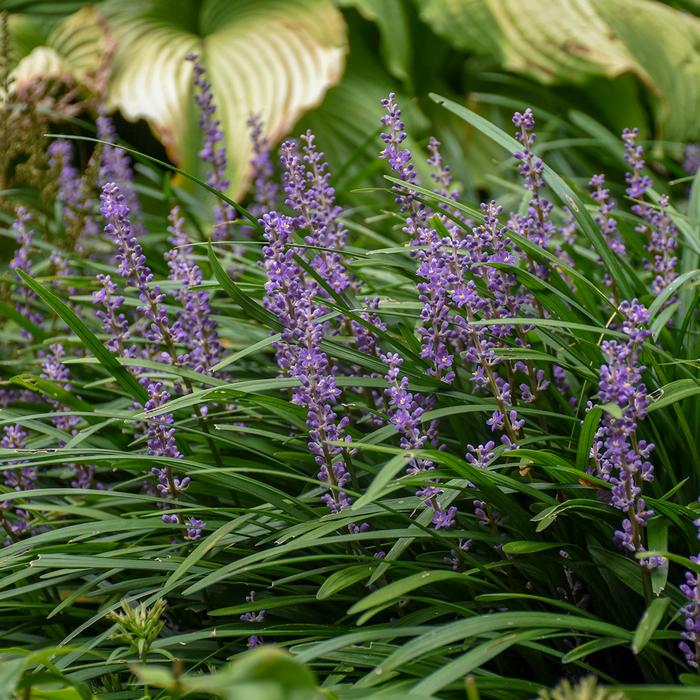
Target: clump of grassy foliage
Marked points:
382	434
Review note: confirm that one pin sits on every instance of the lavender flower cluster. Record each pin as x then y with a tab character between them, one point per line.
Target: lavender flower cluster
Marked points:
132	266
620	456
656	223
211	152
690	644
299	355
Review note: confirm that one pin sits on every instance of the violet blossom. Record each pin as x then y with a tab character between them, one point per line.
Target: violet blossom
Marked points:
22	479
131	264
53	369
405	413
265	190
211	152
299	355
690	646
255	618
691	158
114	321
606	223
432	252
536	225
621	458
22	261
69	185
195	326
657	224
308	192
115	166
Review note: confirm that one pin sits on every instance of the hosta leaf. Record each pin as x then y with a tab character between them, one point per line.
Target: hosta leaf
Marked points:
272	57
392	20
75	48
573	40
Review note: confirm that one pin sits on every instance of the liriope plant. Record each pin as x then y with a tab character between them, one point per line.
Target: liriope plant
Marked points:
407	438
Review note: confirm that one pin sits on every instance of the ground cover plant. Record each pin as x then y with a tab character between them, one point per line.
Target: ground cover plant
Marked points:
426	445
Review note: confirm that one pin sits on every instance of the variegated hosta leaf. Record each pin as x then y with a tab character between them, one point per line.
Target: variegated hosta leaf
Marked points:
77	48
272	57
571	40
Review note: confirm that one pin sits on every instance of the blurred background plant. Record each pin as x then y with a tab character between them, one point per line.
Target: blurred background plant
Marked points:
586	66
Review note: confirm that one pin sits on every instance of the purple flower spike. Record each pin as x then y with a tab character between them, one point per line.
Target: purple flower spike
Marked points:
605	221
691	158
212	153
24	479
22	261
299	355
657	224
159	430
637	182
195	326
15	438
255	618
400	160
69	186
440	267
405	413
160	436
53	369
620	456
116	167
131	264
308	191
114	322
690	646
266	191
536	225
662	247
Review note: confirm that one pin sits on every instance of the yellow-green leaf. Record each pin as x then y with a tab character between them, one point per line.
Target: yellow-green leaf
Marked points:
573	40
272	57
75	48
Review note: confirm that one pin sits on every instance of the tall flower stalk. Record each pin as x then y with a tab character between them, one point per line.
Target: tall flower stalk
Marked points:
266	191
656	224
213	151
22	260
18	479
115	166
195	326
299	355
620	456
690	644
131	264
